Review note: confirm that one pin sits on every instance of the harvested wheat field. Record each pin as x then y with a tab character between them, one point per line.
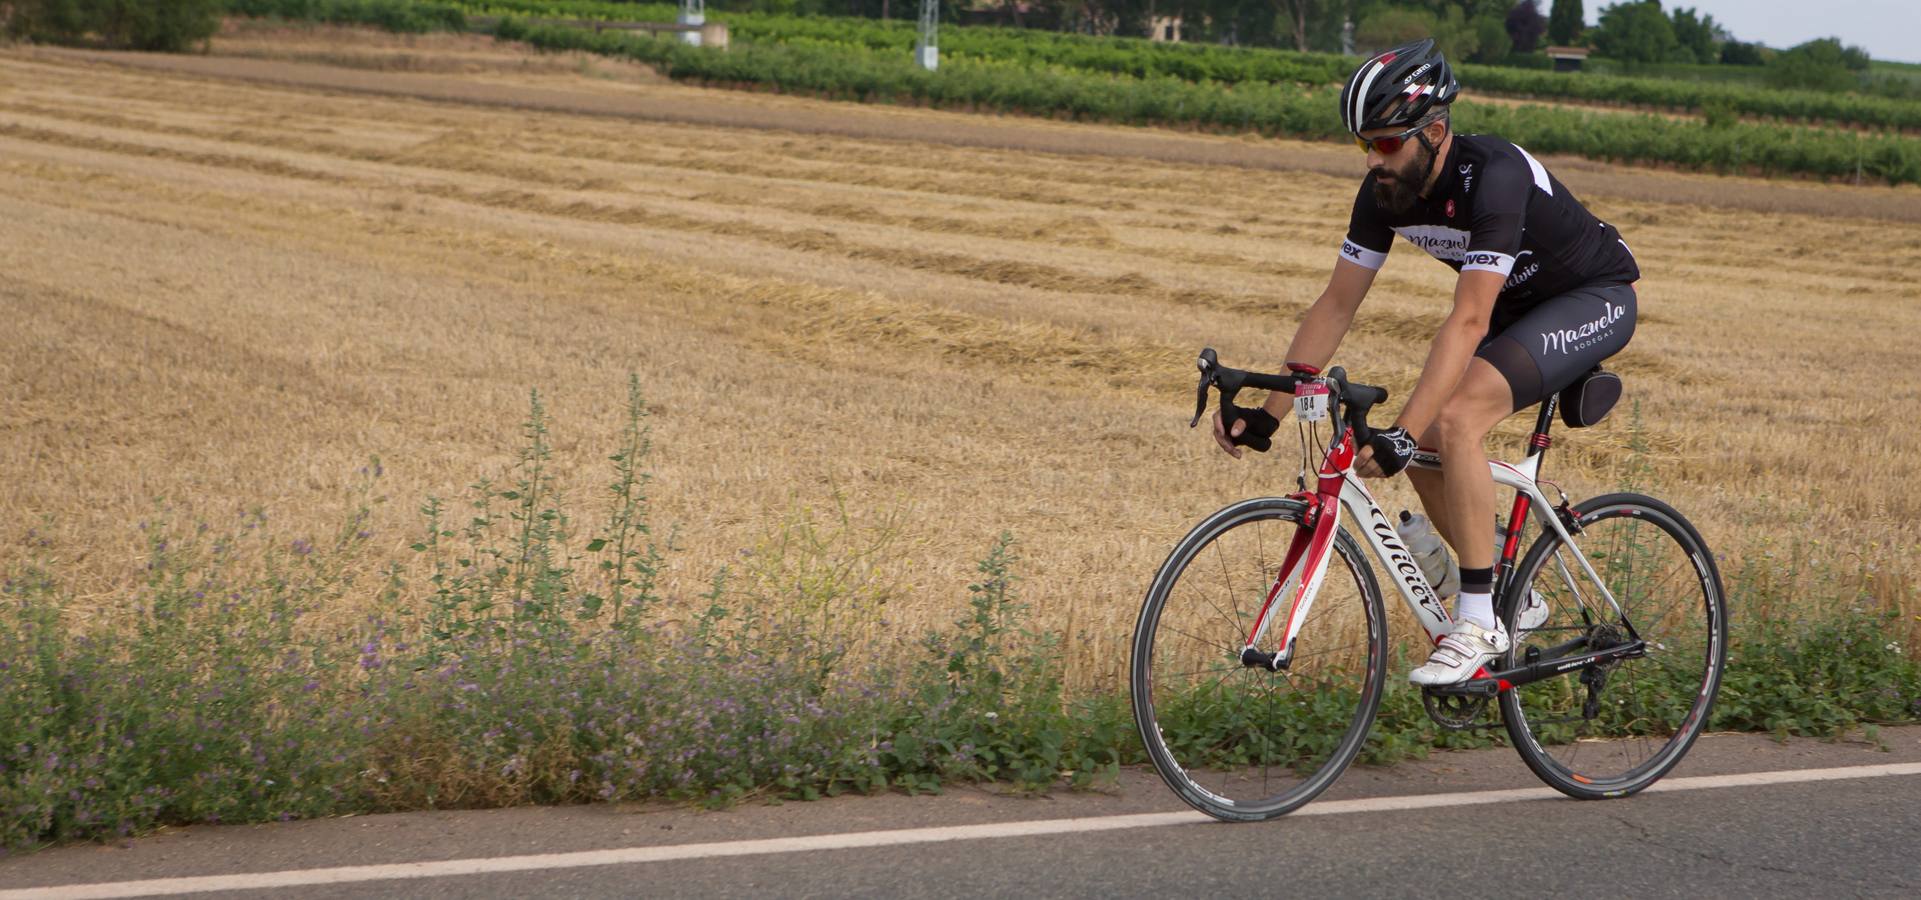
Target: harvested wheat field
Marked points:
230	281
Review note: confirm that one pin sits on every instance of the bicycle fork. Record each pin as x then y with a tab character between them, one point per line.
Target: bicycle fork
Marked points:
1297	582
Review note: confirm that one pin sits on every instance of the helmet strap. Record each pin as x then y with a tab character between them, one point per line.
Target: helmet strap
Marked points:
1433	153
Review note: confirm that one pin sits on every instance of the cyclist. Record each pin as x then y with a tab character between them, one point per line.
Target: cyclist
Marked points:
1545	294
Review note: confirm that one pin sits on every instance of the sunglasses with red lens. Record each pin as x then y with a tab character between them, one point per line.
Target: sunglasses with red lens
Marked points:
1387	145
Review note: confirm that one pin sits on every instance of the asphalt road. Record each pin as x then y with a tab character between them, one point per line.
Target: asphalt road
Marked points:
1854	835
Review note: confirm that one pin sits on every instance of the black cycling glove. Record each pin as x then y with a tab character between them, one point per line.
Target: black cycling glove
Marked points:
1260	426
1393	449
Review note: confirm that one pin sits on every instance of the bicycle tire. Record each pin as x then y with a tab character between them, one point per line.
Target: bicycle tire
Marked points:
1209	754
1664	577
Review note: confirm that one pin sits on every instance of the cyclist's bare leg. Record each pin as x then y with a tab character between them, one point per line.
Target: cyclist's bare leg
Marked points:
1428	484
1460	497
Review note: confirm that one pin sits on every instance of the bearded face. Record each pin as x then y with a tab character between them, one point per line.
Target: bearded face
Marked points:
1398	188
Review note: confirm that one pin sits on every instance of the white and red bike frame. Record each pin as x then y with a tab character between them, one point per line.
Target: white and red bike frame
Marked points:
1292	594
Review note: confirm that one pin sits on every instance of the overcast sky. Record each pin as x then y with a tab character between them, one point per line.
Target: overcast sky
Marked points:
1887	29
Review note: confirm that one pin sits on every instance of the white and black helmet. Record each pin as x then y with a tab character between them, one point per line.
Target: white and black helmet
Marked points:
1398	88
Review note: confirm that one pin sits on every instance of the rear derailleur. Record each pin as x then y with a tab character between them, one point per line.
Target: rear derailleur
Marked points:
1595	677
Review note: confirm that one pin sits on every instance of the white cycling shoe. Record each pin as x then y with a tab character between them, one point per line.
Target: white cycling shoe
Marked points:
1460	654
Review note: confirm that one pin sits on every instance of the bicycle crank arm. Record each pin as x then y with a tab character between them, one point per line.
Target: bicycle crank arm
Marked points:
1496	682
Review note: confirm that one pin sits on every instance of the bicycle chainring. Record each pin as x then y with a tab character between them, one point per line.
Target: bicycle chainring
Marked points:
1454	712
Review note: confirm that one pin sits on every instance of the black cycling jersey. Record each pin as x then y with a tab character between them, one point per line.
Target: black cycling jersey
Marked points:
1495	208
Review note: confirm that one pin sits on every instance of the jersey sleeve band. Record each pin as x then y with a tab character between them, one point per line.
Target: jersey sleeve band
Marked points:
1484	261
1369	259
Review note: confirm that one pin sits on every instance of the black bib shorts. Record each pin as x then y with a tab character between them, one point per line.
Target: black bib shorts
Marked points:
1544	349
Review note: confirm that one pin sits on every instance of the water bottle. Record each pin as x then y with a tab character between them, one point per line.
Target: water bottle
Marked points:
1430	552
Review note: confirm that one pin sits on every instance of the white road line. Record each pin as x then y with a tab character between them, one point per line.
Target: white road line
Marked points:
855	840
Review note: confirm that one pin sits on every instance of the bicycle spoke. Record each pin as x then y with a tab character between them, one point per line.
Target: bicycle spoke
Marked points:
1234	617
1653	621
1234	622
1260	551
1248	740
1301	656
1646	708
1220	672
1233	649
1227	580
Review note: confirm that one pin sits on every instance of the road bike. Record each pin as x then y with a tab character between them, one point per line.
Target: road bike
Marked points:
1261	655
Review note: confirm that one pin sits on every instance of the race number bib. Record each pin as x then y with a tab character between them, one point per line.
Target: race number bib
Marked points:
1310	401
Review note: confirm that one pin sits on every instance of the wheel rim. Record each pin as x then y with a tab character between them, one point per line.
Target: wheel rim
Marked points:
1648	709
1245	741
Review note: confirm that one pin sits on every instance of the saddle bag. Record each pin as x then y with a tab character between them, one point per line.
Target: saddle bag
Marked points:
1590	398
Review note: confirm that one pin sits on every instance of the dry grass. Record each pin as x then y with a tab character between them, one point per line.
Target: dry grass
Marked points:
224	295
473	56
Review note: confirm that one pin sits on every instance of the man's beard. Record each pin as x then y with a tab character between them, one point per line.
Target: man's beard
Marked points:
1399	191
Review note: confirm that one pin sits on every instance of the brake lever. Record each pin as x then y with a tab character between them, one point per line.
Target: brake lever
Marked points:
1208	364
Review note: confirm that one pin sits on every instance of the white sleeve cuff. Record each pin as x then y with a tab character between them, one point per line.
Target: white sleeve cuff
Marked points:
1365	258
1485	261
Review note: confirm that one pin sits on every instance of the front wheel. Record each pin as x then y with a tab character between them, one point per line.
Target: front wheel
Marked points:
1610	730
1245	744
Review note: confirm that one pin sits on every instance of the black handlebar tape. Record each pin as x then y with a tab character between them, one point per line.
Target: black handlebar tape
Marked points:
1353	401
1272	382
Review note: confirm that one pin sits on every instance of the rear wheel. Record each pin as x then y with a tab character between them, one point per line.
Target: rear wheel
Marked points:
1240	743
1612	729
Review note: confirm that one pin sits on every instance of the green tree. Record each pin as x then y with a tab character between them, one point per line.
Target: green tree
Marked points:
1458	38
45	20
1238	22
1472	9
158	25
1297	19
1822	65
1392	27
1855	58
1635	32
1741	53
1696	35
1525	25
1565	22
1490	34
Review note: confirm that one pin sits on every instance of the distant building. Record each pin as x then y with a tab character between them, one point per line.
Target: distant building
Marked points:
1164	28
1567	59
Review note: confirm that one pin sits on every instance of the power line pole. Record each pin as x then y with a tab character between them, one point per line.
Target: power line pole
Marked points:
927	49
692	12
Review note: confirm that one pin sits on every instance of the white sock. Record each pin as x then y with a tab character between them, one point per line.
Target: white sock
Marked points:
1476	608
